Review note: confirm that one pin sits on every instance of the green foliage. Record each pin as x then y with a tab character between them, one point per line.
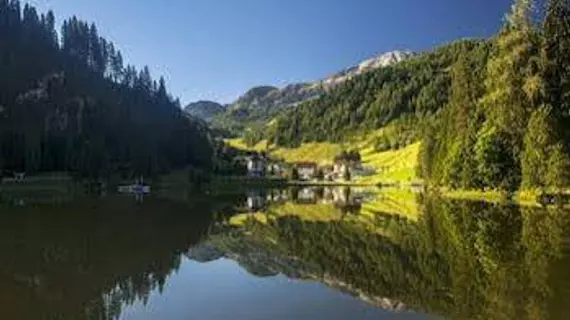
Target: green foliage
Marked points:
496	166
132	251
558	167
511	132
555	55
253	135
491	114
351	156
406	94
346	175
70	104
537	144
319	175
399	134
294	174
459	260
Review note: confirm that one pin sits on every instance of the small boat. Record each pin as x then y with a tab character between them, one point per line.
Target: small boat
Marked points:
134	188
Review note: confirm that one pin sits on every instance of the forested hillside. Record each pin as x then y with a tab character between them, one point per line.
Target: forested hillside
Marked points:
407	93
491	113
507	122
68	102
260	104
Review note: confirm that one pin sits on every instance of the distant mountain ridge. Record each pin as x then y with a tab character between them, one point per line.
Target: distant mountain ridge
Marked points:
384	60
262	102
204	109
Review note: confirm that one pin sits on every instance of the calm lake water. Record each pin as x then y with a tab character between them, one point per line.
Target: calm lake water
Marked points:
314	253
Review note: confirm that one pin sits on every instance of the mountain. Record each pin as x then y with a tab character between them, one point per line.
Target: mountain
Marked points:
262	103
381	61
205	110
402	96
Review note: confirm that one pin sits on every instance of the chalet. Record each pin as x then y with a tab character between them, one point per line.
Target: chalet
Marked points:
256	166
276	169
328	172
346	165
340	168
306	170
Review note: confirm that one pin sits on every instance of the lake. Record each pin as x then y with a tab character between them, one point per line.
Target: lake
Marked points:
297	253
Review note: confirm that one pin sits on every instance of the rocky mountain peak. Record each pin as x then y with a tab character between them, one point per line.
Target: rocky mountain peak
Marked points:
262	102
381	61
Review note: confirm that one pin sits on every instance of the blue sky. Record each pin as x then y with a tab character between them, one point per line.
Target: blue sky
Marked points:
217	49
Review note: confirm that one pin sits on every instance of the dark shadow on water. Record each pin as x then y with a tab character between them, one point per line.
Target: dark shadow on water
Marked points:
88	257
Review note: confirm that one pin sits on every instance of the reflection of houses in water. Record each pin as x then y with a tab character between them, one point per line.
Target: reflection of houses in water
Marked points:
260	199
344	198
277	195
307	195
341	195
348	201
418	188
256	201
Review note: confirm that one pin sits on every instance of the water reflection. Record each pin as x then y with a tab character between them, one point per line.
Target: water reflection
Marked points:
460	259
87	258
342	197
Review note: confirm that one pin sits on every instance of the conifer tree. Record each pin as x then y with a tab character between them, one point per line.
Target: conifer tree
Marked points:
513	88
556	59
538	141
73	107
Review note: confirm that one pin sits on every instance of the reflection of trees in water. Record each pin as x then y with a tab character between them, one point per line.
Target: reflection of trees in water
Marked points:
464	260
87	259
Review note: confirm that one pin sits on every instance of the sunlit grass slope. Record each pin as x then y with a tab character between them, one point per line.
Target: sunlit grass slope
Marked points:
393	165
385	215
390	166
304	212
394	201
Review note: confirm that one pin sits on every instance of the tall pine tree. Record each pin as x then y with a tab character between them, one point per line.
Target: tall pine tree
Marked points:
512	90
556	57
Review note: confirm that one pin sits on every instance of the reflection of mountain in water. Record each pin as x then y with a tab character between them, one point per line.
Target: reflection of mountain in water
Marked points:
461	260
88	258
260	261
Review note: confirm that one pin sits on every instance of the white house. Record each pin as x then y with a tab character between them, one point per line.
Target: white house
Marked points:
306	170
256	166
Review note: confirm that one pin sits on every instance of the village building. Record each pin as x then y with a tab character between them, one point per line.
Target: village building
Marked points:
307	196
340	168
306	170
276	169
256	166
346	165
328	172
